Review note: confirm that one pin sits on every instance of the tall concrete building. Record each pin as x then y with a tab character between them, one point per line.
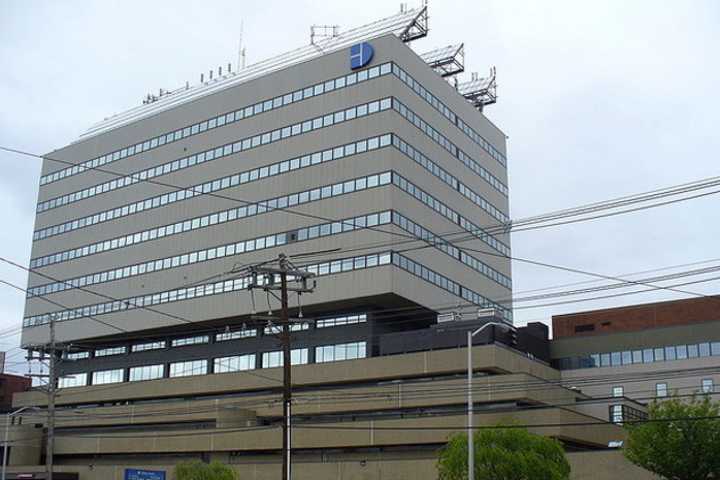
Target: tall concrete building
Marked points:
357	158
144	221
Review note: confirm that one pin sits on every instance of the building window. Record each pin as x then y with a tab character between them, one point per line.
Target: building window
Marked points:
659	354
108	376
181	342
584	328
221	337
141	347
682	352
661	390
616	414
147	372
338	321
77	355
648	355
670	353
344	351
234	364
186	369
74	380
277	329
110	351
618	391
605	359
298	356
627	358
707	385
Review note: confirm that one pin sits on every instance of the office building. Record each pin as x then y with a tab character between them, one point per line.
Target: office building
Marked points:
357	158
651	351
143	222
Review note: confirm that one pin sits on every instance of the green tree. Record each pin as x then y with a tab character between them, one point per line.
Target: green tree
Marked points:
197	470
504	454
680	442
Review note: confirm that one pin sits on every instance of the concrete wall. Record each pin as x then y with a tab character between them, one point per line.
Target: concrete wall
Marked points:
601	465
683	377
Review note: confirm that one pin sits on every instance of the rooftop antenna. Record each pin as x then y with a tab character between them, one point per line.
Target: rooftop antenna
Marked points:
323	31
241	49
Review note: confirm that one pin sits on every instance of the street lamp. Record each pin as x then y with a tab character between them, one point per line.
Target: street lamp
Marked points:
7	432
471	448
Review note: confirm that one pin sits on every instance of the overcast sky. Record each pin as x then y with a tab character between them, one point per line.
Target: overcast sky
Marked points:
599	99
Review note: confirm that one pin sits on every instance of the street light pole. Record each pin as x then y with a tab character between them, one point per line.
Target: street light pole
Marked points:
471	446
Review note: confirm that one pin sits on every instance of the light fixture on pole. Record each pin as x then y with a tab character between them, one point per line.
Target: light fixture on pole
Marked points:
471	447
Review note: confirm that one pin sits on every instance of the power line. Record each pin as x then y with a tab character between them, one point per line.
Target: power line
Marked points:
194	190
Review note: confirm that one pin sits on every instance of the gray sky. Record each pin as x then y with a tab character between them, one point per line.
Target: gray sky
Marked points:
599	100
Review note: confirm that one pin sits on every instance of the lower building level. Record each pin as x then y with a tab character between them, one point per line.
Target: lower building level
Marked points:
382	416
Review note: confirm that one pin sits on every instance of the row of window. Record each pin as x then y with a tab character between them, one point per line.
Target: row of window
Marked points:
227	286
229	149
340	321
210	155
267	105
261	242
447	284
212	253
187	293
224	119
443	109
448	178
361	146
441	244
449	213
335	153
445	143
271	241
661	389
236	363
219	337
647	355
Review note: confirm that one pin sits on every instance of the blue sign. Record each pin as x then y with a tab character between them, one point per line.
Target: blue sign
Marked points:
360	55
135	474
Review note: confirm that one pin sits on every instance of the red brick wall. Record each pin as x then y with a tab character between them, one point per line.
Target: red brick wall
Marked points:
637	317
10	384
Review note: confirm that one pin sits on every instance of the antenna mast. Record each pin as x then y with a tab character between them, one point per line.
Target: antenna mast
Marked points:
241	49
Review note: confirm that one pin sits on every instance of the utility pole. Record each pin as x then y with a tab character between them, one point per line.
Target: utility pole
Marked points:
265	278
287	364
51	402
51	391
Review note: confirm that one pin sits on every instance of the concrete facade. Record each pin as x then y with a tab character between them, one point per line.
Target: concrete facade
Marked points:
366	418
640	354
342	287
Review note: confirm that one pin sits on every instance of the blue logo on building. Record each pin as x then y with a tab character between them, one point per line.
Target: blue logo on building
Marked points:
135	474
360	55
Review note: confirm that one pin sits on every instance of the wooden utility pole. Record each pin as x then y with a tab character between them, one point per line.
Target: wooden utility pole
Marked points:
52	381
49	352
287	364
265	278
